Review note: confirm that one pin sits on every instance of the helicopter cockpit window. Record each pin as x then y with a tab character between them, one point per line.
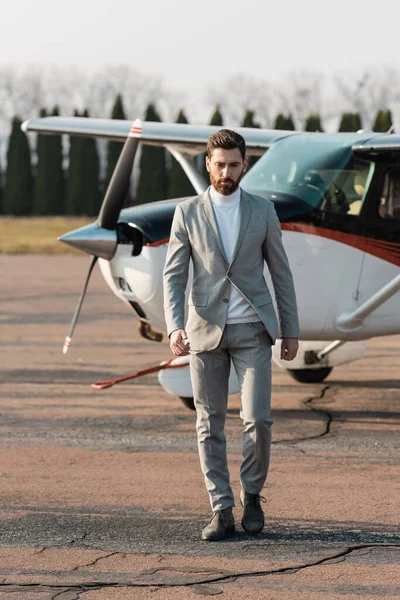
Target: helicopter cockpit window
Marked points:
389	207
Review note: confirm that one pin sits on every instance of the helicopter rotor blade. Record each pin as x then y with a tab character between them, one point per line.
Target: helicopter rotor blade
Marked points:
75	317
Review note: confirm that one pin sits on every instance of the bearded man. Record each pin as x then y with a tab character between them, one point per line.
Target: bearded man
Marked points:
229	235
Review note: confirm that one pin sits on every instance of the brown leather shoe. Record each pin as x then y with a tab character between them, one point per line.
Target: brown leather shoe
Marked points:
221	526
253	515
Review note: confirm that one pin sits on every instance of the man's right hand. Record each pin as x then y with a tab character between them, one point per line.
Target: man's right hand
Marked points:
179	343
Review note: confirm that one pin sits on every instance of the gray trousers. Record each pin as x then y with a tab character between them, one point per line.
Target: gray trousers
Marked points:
248	345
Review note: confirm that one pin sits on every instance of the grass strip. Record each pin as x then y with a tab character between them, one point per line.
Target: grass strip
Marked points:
38	235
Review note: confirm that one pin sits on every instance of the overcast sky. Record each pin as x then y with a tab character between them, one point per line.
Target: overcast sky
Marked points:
191	43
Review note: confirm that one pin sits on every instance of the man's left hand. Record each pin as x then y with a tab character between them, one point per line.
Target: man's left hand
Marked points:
289	348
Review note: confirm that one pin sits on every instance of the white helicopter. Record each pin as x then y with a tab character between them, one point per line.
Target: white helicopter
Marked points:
338	200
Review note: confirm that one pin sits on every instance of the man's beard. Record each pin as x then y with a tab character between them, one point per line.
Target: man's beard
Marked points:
225	185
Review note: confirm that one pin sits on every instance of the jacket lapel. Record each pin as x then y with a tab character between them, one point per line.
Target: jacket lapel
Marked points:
212	222
245	212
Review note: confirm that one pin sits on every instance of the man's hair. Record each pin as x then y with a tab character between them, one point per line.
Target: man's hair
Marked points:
226	139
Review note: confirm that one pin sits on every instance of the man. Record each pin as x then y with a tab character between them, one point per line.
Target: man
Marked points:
228	234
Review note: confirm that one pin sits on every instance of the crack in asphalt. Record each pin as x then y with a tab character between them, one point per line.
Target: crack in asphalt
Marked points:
180	570
325	413
95	561
328	415
65	594
223	577
78	540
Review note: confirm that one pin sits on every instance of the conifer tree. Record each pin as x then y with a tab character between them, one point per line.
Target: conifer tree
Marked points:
49	180
383	121
280	121
57	168
39	196
73	200
345	122
350	122
90	175
216	121
153	180
283	122
216	117
92	199
179	184
290	123
357	124
1	190
313	123
114	148
248	121
83	177
18	192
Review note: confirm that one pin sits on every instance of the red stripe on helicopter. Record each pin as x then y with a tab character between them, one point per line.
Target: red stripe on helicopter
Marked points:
388	251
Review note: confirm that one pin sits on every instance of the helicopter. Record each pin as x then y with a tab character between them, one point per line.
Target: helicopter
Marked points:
337	196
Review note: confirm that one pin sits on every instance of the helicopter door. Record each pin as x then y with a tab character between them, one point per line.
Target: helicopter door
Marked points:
382	256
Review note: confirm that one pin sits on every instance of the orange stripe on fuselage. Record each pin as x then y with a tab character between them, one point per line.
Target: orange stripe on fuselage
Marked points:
388	251
158	243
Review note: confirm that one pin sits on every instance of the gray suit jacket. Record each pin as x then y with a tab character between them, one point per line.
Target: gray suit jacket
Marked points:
194	236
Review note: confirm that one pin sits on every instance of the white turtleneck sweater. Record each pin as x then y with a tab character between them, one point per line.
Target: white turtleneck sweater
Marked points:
227	214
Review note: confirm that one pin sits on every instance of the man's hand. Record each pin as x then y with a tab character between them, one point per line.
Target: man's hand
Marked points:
179	343
289	348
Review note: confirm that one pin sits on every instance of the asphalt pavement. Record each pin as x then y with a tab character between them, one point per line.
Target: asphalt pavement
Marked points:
102	497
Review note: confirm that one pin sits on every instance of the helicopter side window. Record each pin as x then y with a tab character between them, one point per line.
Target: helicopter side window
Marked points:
389	207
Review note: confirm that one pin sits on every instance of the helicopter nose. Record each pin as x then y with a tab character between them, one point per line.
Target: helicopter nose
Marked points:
93	239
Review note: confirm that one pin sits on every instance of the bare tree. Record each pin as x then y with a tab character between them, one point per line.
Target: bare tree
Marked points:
368	92
20	94
300	94
241	92
24	91
137	90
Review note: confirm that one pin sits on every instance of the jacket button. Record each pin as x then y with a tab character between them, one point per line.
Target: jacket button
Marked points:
225	300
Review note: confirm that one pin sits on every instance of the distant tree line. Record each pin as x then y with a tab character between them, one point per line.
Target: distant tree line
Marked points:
45	181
